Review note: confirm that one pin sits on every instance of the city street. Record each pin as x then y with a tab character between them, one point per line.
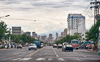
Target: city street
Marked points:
47	54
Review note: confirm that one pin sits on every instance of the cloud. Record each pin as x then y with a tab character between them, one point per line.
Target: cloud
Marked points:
50	15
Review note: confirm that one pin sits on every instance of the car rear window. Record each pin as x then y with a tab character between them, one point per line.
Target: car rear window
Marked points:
69	45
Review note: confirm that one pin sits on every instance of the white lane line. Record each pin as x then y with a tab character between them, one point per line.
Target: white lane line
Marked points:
55	52
57	55
17	59
16	53
49	59
29	55
25	59
61	59
39	59
78	59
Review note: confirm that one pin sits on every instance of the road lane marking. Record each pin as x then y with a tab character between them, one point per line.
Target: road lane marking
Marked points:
26	59
55	52
29	55
78	59
61	59
21	59
38	59
16	59
49	59
57	55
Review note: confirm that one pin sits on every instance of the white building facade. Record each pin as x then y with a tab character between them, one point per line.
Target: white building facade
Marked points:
76	24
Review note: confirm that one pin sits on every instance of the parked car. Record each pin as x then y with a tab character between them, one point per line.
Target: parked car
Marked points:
54	45
32	46
19	46
67	47
59	46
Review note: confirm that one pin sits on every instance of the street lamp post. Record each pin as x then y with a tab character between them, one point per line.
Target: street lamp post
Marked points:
0	21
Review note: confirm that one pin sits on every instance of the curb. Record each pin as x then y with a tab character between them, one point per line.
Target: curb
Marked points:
92	50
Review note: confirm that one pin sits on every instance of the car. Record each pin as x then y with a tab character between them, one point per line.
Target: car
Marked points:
54	45
67	47
59	46
19	46
32	46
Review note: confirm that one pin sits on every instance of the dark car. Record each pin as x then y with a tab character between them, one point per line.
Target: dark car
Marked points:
19	46
54	45
59	46
67	47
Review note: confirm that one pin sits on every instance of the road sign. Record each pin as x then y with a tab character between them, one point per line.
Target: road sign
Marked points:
97	17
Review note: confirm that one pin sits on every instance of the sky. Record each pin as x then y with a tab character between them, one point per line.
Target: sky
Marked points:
44	16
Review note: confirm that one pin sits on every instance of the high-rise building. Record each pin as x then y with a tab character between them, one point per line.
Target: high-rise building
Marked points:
16	30
50	37
56	36
76	24
27	33
34	34
62	34
44	38
65	32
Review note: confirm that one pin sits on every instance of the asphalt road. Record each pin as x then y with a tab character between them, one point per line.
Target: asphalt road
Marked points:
47	54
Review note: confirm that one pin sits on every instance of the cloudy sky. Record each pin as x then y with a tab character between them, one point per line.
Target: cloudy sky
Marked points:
44	16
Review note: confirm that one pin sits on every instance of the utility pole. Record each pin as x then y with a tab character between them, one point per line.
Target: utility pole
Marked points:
77	25
96	9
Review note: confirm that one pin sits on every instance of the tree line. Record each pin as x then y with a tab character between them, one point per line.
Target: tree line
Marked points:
68	38
5	33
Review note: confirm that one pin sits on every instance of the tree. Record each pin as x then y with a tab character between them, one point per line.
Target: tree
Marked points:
68	39
93	32
3	30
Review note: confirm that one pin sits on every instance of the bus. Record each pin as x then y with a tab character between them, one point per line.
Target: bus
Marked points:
86	44
75	43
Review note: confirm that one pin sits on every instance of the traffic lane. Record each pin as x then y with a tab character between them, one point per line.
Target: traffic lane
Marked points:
48	54
78	55
45	52
14	53
26	58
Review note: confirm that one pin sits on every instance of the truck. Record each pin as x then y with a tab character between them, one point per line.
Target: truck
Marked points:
75	43
38	44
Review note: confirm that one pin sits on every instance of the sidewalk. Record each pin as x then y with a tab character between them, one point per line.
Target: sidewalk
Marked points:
92	50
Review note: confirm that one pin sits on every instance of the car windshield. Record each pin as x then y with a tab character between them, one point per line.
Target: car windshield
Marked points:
59	44
75	42
87	42
32	44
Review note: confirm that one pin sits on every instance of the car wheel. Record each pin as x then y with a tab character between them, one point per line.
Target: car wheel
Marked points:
29	49
72	50
76	48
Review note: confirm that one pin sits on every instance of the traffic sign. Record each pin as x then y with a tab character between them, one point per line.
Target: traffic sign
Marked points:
97	17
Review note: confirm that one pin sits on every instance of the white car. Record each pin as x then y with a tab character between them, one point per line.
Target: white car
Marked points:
32	46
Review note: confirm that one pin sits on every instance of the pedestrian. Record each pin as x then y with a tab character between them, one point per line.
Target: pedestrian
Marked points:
7	46
15	46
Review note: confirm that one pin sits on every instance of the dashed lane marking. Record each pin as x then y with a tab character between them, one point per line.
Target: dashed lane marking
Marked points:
49	59
39	59
55	52
61	59
21	59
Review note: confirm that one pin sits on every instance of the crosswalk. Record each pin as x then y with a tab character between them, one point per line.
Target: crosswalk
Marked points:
53	59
